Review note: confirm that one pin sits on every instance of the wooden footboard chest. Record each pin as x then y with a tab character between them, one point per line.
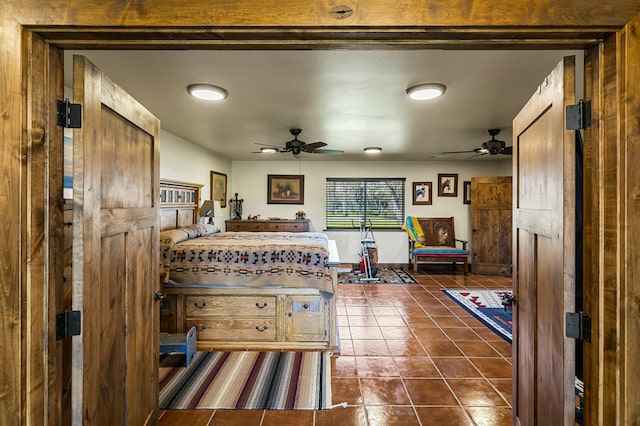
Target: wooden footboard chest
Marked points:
253	318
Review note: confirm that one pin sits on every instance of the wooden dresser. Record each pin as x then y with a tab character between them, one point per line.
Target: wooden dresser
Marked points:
272	225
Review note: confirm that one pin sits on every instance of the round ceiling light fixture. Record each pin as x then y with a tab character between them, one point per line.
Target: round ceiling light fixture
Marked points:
373	150
422	92
268	150
207	92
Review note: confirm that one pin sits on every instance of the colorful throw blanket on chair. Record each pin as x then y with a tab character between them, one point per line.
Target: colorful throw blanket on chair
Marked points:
414	230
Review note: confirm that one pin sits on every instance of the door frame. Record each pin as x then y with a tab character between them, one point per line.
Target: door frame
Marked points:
34	39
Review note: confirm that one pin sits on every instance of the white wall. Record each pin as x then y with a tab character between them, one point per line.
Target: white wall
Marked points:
250	182
185	161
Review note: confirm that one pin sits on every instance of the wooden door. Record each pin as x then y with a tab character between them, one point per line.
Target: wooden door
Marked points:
115	254
543	264
491	225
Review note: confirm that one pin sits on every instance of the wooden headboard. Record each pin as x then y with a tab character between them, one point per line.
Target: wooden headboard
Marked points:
178	203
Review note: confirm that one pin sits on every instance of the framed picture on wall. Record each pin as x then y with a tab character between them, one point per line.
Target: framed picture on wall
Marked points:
285	189
422	194
466	192
447	185
219	188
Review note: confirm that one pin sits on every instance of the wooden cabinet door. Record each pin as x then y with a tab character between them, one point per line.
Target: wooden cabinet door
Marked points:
544	253
306	319
491	225
115	254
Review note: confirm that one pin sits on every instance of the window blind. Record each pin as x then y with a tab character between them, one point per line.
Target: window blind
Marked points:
376	202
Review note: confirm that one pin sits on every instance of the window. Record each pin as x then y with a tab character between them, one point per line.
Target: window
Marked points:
375	201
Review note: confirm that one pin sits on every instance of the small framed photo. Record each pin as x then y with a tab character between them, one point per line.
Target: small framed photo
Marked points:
285	189
422	194
447	185
466	192
219	188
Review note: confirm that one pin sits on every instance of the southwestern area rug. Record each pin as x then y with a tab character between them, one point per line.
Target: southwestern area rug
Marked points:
486	305
246	380
384	275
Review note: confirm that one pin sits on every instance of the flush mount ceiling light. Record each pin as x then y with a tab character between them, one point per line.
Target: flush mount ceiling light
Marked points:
207	92
426	91
268	150
373	150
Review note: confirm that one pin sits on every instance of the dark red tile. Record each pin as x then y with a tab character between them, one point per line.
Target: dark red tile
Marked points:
384	391
494	368
287	417
391	416
192	417
346	390
490	416
421	366
439	416
456	368
476	393
430	392
233	418
342	416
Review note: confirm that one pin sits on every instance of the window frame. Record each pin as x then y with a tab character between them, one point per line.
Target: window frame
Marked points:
355	218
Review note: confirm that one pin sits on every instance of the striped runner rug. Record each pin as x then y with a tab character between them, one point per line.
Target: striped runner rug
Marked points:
246	380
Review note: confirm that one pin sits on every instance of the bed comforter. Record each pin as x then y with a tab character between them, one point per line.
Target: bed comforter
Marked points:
247	259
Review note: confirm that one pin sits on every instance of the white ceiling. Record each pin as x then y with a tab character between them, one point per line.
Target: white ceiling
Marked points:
349	99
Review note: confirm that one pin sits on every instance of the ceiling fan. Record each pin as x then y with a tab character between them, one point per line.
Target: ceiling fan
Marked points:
296	146
491	147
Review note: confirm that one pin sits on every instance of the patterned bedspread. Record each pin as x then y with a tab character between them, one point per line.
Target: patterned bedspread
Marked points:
249	259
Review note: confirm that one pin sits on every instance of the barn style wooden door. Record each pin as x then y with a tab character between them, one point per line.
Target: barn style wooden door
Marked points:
544	253
491	205
115	254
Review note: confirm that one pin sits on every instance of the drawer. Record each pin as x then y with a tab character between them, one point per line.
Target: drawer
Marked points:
234	329
247	226
236	306
288	227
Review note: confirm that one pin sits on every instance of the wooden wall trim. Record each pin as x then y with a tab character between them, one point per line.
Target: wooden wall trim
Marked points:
255	24
611	229
381	13
629	264
11	206
42	232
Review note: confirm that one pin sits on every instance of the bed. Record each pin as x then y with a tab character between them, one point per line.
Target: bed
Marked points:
249	290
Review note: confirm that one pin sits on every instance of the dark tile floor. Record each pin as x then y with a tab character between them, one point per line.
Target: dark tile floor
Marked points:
409	356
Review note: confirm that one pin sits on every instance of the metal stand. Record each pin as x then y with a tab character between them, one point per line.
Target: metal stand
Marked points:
366	244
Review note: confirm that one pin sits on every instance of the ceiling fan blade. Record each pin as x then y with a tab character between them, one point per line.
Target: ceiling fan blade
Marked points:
458	152
327	151
313	146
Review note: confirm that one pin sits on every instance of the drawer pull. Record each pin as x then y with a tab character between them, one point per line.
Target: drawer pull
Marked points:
306	306
200	305
261	328
259	306
201	327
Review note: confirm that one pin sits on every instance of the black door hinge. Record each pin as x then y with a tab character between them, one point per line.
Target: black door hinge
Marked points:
579	115
68	324
578	326
69	115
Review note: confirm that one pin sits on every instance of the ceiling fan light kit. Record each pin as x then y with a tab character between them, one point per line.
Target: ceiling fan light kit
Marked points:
423	92
373	150
207	92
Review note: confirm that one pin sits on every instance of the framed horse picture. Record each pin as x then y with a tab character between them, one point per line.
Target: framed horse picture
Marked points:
447	185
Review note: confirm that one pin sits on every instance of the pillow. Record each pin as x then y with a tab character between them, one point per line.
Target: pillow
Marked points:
171	237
